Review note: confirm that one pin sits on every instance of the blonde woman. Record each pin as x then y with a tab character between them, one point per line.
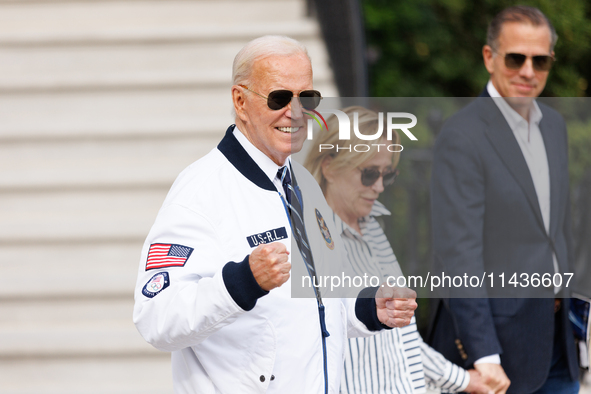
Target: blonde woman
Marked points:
397	360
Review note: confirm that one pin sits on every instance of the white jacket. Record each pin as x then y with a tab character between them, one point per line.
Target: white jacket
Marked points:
225	333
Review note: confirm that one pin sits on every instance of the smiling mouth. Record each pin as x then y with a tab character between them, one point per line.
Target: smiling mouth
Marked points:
523	85
288	130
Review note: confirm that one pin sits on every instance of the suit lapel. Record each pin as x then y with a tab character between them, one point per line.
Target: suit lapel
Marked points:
507	148
553	164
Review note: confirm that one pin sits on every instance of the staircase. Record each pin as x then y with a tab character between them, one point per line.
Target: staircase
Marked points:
102	104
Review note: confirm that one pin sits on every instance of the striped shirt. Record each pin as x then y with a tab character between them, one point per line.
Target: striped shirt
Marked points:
397	360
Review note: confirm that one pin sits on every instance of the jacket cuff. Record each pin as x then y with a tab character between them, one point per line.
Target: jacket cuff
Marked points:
366	311
241	284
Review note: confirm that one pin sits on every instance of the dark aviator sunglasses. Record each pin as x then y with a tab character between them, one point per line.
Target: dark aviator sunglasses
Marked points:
369	176
515	61
277	99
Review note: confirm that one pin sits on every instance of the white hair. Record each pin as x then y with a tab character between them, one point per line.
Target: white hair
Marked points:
260	48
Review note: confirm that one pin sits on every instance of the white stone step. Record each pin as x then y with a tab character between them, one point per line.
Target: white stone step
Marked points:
119	113
182	65
79	215
75	327
83	163
69	269
108	375
39	22
298	29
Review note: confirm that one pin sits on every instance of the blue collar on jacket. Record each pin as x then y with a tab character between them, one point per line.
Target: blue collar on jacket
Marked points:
235	153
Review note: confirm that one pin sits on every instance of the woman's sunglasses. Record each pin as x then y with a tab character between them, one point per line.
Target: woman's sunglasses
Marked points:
310	99
369	176
514	61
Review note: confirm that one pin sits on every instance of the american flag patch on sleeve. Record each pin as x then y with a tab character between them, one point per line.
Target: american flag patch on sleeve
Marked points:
167	255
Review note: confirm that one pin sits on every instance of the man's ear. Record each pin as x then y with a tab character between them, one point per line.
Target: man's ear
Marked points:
239	101
327	172
487	55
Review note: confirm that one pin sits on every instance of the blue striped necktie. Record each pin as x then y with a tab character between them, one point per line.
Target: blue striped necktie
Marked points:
283	174
295	205
294	208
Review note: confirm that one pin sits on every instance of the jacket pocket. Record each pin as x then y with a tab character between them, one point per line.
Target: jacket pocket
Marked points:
263	352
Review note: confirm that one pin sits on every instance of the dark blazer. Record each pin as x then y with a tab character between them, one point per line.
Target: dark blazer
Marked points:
486	218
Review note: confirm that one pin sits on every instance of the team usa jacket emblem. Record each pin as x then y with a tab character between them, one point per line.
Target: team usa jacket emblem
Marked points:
267	237
324	230
159	282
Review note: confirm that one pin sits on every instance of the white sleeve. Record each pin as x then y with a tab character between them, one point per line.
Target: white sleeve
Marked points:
355	327
196	301
442	373
492	359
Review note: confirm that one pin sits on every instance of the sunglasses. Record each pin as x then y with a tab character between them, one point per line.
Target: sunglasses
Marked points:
310	99
369	176
514	61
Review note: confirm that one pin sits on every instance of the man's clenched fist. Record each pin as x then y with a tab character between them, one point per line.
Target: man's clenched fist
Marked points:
269	266
395	305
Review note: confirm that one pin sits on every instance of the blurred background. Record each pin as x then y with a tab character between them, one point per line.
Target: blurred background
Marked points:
104	102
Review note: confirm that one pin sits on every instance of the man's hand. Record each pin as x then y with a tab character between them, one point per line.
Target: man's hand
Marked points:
395	305
269	266
494	376
477	385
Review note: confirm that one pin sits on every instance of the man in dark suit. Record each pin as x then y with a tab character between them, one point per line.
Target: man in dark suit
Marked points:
500	204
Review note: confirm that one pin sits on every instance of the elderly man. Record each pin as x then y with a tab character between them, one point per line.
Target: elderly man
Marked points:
214	279
501	206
